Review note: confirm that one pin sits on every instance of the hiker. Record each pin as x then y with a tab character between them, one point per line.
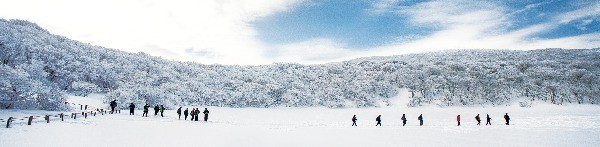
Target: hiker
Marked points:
113	104
488	120
185	114
162	109
205	114
156	108
507	118
458	119
403	119
420	119
378	119
478	119
192	114
145	110
131	109
179	113
354	120
197	112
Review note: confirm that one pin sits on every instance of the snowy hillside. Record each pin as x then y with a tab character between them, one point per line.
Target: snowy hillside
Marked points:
39	69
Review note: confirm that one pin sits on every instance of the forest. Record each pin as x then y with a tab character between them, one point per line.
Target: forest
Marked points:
38	70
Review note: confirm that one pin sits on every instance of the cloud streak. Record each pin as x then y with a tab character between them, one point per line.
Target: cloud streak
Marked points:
591	10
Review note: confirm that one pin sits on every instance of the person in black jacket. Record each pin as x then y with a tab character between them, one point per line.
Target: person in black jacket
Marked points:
354	120
113	105
131	109
156	108
488	120
196	112
403	119
162	109
185	114
205	114
179	112
145	110
507	119
378	119
420	119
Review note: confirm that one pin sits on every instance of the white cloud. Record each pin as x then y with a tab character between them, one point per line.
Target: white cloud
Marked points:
217	31
591	10
462	24
482	27
383	6
529	7
453	12
208	31
584	23
319	50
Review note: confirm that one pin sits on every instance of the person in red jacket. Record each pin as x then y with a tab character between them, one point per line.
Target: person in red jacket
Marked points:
458	119
478	119
192	114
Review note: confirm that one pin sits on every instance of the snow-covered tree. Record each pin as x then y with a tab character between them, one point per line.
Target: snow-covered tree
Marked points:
37	70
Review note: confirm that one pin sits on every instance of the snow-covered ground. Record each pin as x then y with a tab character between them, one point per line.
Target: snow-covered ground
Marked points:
541	125
91	99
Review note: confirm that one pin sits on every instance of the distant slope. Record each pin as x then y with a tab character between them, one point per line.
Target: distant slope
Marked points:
38	69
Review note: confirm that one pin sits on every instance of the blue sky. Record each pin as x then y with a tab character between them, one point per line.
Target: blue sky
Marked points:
256	32
350	22
354	23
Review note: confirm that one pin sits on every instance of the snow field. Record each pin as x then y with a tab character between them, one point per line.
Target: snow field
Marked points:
542	125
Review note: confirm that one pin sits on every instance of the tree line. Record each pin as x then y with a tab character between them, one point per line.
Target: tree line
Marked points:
39	70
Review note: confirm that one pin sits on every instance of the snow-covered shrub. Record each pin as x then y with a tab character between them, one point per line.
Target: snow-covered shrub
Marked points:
525	103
